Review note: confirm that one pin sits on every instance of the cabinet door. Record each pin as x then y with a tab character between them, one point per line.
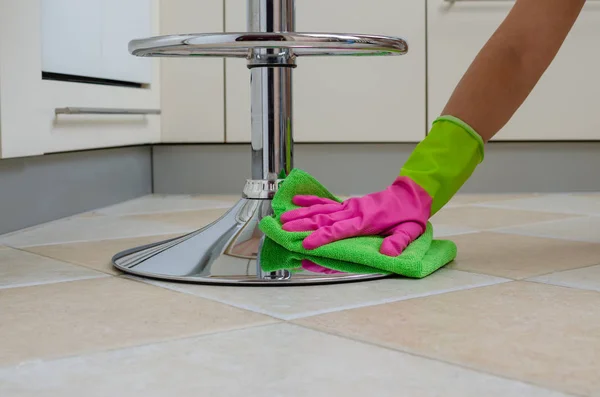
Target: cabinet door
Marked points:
192	89
89	38
72	37
28	122
21	112
122	22
345	99
561	107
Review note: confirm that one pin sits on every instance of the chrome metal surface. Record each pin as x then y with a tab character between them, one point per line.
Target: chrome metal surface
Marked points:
261	189
268	16
79	110
262	57
271	95
271	16
271	122
240	45
227	252
233	250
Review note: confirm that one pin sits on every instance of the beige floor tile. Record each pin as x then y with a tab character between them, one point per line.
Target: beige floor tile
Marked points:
223	198
192	219
444	231
95	254
163	203
78	317
592	195
490	218
18	268
90	214
543	334
558	203
577	229
519	257
73	230
299	302
462	199
586	278
276	360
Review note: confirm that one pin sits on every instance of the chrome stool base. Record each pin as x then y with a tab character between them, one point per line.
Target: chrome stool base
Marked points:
227	252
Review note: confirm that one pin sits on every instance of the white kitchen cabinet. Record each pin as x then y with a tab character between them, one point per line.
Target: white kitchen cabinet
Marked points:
28	124
63	51
192	89
89	38
344	99
564	103
125	20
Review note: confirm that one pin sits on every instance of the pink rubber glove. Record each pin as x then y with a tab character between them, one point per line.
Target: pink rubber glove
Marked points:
400	213
315	268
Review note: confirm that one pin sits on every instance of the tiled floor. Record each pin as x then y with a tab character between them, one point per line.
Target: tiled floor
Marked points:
517	313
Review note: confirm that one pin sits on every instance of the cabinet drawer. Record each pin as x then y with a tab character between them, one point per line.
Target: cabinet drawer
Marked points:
345	99
89	38
563	104
67	132
27	102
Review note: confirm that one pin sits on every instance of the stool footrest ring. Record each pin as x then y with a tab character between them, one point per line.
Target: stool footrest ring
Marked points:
240	45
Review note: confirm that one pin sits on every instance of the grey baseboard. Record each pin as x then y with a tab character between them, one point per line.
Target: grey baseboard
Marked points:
41	189
542	167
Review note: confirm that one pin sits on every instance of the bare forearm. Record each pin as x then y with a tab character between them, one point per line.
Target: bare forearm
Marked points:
511	63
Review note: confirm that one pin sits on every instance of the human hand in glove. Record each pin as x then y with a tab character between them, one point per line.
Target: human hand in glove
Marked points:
434	172
316	268
399	212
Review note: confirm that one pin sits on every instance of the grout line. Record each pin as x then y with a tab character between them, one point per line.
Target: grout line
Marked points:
559	271
185	229
200	337
503	206
562	285
40	225
494	280
572	218
414	353
66	280
447	236
25	247
68	262
160	284
380	302
539	235
181	229
147	344
220	206
99	210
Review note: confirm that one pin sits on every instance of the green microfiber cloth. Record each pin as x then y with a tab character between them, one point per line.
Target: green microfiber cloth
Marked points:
274	257
421	258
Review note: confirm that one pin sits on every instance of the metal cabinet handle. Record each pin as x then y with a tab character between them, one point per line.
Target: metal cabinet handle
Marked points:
78	110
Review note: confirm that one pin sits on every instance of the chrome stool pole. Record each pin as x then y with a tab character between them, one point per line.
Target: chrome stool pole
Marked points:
271	91
228	252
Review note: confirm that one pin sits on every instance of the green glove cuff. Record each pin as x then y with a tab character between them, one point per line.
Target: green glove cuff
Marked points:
445	159
467	128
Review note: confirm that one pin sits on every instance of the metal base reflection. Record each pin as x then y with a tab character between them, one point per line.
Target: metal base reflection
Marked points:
228	252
